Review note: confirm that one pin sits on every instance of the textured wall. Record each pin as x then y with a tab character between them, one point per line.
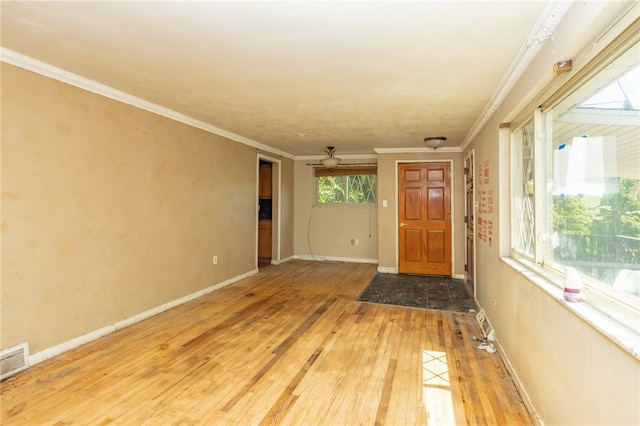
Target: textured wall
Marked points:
109	210
329	225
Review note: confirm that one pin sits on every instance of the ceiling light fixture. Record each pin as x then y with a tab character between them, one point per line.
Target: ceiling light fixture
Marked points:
330	162
435	141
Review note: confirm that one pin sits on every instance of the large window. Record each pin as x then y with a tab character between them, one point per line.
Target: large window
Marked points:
585	212
346	185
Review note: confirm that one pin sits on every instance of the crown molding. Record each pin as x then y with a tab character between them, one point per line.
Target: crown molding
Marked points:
28	63
415	150
549	19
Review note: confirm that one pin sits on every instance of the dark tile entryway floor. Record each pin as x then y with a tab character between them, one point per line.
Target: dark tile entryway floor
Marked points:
419	291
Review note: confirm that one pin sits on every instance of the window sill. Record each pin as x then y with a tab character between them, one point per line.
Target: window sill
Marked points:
621	334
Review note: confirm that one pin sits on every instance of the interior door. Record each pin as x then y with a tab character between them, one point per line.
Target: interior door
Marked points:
424	213
469	220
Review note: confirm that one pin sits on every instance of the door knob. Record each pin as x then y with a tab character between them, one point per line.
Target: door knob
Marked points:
403	224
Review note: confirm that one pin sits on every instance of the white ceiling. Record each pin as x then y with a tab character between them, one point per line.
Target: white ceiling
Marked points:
296	76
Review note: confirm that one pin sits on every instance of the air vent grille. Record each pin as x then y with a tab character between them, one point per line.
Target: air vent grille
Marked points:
484	323
14	360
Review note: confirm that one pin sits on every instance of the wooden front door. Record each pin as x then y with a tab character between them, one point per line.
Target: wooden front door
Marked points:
424	213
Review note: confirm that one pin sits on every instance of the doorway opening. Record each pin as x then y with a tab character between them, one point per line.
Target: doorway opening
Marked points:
268	205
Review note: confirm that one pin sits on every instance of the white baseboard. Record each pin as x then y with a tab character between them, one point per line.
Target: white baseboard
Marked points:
351	259
514	376
535	416
317	258
391	270
96	334
286	259
309	257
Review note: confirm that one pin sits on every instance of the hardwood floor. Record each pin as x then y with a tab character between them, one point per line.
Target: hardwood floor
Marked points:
289	345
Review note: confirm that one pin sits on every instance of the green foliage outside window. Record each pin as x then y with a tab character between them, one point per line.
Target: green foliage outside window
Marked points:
600	235
615	213
360	189
331	189
571	216
619	211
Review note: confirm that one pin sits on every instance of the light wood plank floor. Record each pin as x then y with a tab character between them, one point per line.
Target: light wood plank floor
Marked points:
290	345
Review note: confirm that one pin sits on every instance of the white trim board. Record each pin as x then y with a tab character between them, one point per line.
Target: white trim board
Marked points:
388	270
278	262
526	399
319	258
19	60
96	334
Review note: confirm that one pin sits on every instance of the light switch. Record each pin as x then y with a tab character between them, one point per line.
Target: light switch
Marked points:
384	203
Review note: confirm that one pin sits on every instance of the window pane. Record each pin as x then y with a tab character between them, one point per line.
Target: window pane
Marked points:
523	196
347	188
594	181
362	189
331	189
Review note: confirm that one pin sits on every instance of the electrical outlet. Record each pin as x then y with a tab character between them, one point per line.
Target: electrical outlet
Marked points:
215	260
356	241
341	241
495	302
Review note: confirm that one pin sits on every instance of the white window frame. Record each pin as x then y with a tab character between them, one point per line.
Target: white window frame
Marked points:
615	315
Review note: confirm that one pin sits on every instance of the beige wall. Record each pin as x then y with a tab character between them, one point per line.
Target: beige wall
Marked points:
572	372
387	219
282	195
322	227
286	213
109	211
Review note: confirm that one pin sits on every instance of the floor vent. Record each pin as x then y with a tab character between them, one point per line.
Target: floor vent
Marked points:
484	323
14	360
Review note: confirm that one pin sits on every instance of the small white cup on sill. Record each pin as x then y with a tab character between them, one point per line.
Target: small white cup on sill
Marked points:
572	286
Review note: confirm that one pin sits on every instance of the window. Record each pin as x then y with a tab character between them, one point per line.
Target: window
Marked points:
585	214
346	185
523	171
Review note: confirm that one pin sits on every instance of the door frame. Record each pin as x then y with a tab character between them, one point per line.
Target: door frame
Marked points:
451	206
471	159
276	185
